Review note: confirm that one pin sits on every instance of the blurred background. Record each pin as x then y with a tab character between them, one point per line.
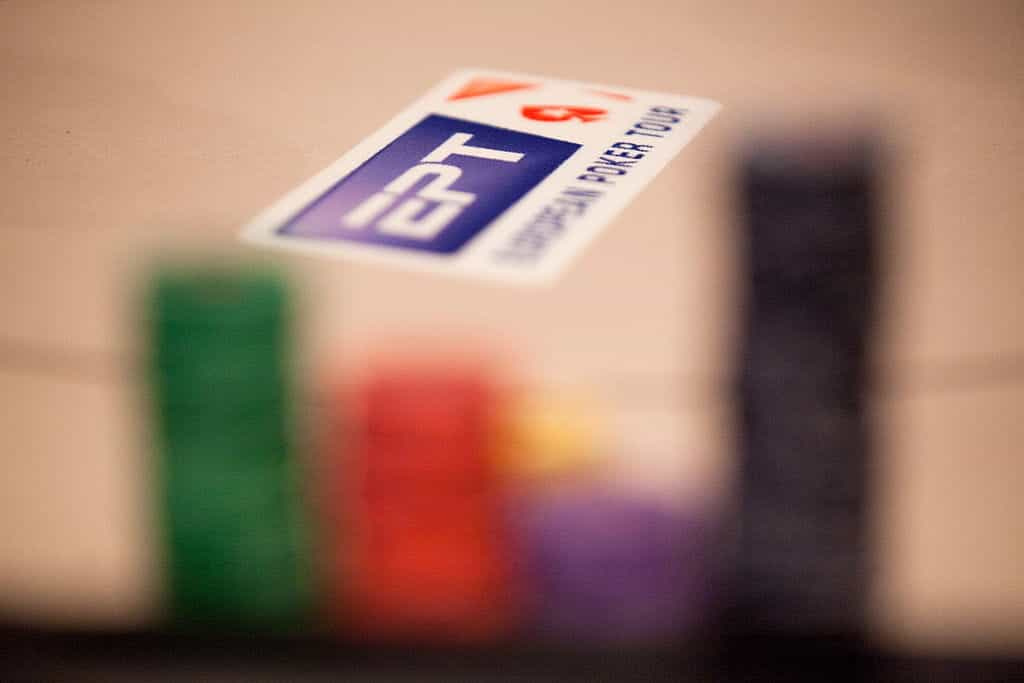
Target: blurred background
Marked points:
140	133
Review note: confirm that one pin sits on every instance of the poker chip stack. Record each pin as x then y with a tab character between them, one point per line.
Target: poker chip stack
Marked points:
606	568
804	452
548	437
427	551
232	507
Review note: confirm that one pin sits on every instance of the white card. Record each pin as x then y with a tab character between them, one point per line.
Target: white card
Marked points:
491	174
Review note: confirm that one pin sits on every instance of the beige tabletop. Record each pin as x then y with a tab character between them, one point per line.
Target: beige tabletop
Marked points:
134	127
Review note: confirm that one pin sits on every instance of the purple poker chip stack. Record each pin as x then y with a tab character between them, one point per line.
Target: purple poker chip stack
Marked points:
609	568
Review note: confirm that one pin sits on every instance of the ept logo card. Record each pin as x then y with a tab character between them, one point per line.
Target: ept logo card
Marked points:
490	174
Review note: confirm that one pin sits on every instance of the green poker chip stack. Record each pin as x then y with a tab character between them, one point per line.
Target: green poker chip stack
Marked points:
234	532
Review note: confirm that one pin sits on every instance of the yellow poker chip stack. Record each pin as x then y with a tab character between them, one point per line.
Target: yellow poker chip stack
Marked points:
550	435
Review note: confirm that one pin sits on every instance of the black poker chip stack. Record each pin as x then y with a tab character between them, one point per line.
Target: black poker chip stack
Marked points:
809	212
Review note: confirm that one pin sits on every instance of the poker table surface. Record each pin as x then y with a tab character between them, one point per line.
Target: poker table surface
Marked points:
133	129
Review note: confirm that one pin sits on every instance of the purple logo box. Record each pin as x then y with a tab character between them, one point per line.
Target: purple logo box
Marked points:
433	188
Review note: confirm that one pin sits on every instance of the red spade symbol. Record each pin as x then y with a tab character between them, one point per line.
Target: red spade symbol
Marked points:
558	112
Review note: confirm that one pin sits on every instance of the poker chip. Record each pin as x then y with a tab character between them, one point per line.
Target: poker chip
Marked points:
234	534
804	446
606	567
424	554
550	435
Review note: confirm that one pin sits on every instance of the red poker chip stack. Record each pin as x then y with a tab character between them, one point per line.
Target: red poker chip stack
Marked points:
425	546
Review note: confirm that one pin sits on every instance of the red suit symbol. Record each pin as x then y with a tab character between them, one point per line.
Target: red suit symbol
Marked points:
558	112
479	87
613	95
